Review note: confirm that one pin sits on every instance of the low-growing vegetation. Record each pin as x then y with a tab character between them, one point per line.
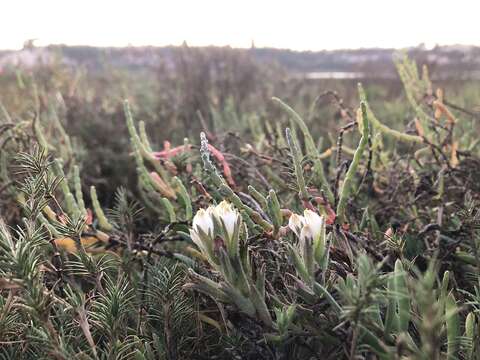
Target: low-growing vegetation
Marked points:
223	210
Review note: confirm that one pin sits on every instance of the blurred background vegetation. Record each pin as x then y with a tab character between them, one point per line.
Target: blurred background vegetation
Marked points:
174	89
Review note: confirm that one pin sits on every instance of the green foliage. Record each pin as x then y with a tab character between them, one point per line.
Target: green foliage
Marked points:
201	253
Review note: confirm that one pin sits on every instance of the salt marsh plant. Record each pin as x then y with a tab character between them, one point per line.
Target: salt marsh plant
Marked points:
263	240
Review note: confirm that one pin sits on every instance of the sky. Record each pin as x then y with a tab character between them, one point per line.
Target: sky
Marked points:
298	25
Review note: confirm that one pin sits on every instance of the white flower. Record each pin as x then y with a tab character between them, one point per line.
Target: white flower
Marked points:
226	214
295	223
222	220
202	232
310	225
311	233
203	221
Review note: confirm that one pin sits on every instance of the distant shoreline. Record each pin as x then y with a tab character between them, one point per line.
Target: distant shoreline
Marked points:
444	62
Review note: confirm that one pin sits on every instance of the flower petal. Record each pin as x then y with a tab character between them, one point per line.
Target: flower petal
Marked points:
203	220
315	222
226	214
295	223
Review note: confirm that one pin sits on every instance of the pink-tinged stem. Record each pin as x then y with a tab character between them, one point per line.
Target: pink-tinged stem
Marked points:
170	152
161	186
226	168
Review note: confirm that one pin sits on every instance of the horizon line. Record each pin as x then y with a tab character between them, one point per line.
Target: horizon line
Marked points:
419	45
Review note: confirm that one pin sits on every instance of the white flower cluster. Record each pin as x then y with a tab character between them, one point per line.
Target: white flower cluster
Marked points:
222	219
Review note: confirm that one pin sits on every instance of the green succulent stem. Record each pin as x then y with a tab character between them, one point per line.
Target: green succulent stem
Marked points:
97	208
347	187
312	150
377	125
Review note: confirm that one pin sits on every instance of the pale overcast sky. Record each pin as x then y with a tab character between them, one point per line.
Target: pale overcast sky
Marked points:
299	24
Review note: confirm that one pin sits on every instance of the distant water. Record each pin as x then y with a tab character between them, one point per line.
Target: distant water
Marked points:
450	75
317	75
